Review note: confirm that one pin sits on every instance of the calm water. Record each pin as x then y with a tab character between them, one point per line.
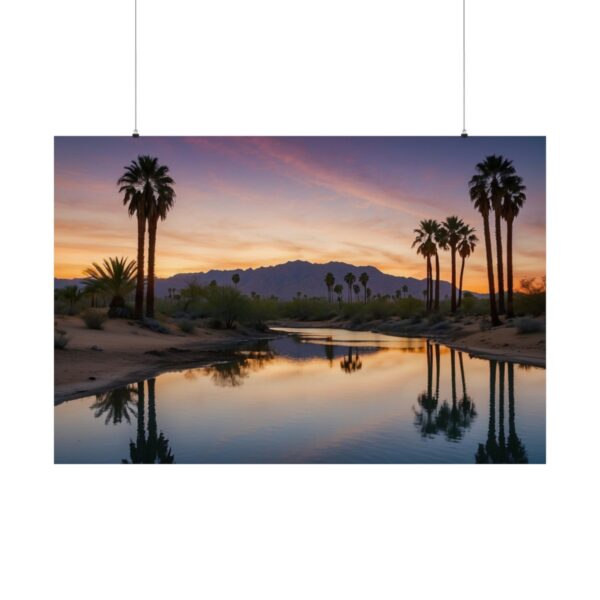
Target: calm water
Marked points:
321	396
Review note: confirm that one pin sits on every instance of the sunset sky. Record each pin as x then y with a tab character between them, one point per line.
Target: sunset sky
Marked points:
250	202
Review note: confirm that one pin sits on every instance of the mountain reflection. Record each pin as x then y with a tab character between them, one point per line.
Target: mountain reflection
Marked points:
450	419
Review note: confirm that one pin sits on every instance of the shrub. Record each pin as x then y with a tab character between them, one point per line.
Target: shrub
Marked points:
485	325
93	319
60	340
228	305
435	318
186	325
154	325
530	304
528	325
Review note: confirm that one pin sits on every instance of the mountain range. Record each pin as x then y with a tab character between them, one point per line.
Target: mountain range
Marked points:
286	280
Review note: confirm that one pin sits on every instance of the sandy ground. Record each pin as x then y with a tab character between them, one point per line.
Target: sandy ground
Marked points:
96	360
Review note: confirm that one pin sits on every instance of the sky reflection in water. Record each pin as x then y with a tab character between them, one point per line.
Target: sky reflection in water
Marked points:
325	396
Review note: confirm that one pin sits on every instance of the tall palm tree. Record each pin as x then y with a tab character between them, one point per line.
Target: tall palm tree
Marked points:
147	193
495	170
329	282
481	201
405	290
364	279
160	204
349	278
449	239
426	247
514	198
466	247
115	277
356	289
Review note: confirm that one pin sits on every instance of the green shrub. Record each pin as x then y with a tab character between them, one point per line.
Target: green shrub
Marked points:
60	340
186	325
93	319
528	325
228	305
530	304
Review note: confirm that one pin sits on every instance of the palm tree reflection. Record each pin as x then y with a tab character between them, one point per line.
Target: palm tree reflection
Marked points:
352	362
499	450
150	446
233	372
117	405
449	419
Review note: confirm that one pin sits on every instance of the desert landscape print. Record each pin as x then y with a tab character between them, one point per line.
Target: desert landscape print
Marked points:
300	300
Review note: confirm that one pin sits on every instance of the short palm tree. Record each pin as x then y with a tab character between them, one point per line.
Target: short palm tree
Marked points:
466	247
450	238
349	278
329	282
514	198
70	294
494	172
338	290
364	279
235	278
479	196
426	247
115	277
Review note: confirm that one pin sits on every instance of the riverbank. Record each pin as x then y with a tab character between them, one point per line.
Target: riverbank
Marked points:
97	360
468	334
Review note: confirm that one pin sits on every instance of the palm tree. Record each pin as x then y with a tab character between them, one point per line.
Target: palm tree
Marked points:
116	404
364	279
235	278
451	228
481	201
466	247
356	289
349	278
495	171
329	282
368	293
405	290
115	277
514	198
440	238
70	294
426	247
147	192
338	290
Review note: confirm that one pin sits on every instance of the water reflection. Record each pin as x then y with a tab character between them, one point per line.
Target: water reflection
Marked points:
150	446
288	401
450	419
496	448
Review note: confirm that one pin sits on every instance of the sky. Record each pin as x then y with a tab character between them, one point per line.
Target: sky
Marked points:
251	202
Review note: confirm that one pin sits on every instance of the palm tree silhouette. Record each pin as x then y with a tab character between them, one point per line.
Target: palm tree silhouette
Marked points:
488	452
70	294
495	171
426	247
480	198
329	282
466	247
514	198
349	278
147	193
338	289
117	405
450	238
151	447
405	290
356	289
425	418
115	276
235	278
516	450
364	279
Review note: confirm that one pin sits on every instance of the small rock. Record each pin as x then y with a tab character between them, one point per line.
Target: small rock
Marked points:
92	378
96	348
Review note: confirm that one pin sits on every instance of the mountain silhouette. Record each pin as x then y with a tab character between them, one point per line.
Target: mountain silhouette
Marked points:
285	280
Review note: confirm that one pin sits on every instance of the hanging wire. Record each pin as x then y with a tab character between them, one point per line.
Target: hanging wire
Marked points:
464	74
135	82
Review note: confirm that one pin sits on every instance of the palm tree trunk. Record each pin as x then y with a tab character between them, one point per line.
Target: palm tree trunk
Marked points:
499	262
437	371
152	426
453	375
510	311
138	311
501	438
453	291
152	227
437	282
462	374
429	283
460	285
490	269
429	369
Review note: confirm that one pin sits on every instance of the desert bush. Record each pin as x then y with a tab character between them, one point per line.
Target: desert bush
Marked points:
309	309
154	325
485	325
228	305
60	340
186	325
530	304
529	325
435	318
93	319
